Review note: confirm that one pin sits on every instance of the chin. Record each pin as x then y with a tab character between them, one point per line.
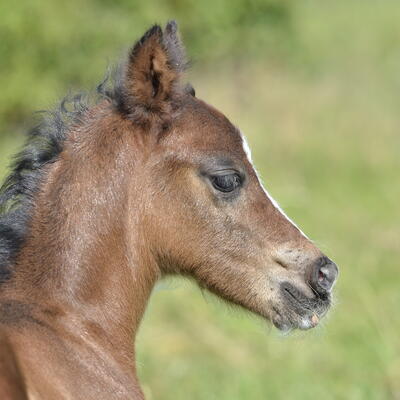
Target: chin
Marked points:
295	309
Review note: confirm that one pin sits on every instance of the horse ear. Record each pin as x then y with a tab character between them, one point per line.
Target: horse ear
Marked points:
153	71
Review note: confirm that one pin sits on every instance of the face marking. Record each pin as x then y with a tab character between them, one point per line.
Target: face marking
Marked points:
246	148
247	151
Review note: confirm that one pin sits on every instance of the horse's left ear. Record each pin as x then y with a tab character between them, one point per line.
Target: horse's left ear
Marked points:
153	71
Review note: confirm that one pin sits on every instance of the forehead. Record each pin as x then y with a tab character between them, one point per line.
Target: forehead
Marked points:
202	128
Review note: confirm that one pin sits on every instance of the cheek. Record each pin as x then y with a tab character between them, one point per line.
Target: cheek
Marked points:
193	227
180	220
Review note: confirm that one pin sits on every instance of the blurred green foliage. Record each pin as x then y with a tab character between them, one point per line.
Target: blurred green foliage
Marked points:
315	86
47	47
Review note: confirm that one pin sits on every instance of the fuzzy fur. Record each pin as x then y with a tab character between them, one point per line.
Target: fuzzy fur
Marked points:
143	89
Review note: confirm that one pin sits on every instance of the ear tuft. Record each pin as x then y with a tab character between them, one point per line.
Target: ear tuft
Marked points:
154	31
172	27
174	46
152	74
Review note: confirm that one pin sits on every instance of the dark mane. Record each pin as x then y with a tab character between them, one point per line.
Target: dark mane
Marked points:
43	145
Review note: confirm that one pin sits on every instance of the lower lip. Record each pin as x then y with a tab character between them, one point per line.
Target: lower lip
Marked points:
314	320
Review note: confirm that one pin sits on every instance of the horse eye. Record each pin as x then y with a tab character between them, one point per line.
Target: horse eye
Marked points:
226	183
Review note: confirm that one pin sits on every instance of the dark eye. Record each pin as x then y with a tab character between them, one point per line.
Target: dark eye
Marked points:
226	183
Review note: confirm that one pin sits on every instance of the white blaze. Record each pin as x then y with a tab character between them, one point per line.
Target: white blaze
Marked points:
247	151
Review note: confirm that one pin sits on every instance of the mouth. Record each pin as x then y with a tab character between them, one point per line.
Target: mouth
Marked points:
298	311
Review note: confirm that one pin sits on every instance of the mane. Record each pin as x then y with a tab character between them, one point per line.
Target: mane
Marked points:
43	145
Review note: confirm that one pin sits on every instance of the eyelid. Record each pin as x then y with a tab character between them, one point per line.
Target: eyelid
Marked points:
226	172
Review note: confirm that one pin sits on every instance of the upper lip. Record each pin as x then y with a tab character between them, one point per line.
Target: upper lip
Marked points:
302	304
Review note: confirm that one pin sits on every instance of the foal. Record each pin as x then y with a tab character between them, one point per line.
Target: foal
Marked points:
107	199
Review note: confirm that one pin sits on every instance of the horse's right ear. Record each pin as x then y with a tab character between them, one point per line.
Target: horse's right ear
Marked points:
152	75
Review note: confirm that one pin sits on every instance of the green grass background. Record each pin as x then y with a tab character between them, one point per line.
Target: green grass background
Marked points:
316	88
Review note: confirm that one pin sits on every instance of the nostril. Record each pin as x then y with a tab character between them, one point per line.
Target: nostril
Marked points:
321	276
324	275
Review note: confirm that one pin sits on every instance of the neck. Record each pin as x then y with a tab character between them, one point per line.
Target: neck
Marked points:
85	238
84	267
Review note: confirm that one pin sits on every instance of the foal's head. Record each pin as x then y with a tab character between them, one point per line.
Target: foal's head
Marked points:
172	180
207	214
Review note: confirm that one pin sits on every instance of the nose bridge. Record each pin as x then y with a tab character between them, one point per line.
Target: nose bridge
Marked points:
291	247
294	251
290	243
297	255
